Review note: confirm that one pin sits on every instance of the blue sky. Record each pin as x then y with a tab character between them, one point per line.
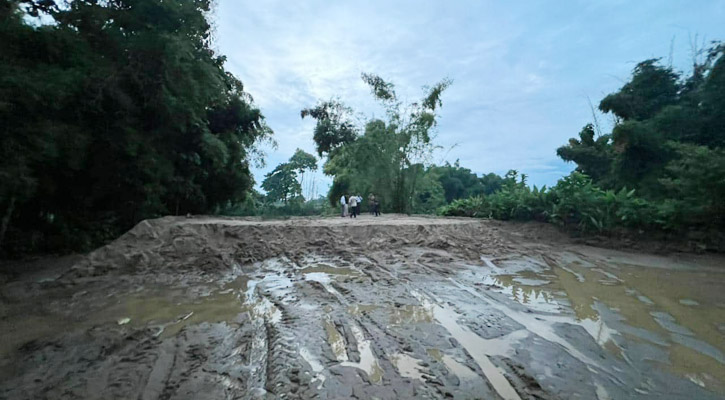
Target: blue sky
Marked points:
522	71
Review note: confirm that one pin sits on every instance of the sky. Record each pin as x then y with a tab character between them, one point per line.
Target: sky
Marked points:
524	72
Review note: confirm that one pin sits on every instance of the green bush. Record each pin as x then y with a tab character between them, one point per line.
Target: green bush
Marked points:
575	202
476	206
514	201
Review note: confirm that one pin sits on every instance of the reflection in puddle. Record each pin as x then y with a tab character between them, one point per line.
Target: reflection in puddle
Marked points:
336	341
410	314
675	308
462	371
519	289
315	365
360	309
368	362
405	314
323	279
478	348
408	366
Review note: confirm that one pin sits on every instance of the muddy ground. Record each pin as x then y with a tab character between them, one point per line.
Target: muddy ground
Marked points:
391	307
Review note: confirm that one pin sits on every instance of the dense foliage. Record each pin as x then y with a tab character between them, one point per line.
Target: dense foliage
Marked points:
574	202
661	168
112	112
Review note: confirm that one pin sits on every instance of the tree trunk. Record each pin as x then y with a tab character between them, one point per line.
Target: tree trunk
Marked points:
6	219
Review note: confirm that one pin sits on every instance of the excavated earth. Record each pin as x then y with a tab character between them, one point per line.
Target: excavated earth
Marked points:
391	307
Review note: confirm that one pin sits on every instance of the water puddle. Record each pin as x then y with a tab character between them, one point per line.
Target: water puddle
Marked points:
478	348
459	369
316	366
170	310
542	325
329	270
435	353
170	316
676	307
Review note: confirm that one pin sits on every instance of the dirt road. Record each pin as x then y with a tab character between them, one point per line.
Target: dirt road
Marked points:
391	307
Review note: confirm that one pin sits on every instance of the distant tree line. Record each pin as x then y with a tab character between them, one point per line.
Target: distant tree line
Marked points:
112	112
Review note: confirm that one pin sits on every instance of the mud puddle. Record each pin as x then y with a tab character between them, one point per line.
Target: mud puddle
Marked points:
679	310
413	309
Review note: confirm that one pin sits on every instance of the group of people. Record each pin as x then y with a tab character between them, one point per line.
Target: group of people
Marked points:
350	205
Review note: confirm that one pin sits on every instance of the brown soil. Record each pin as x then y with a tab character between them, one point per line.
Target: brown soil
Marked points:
388	307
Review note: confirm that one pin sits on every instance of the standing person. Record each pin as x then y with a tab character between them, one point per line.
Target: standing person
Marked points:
353	206
343	206
376	207
359	204
371	201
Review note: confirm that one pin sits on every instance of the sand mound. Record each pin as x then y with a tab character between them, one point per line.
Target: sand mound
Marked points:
219	243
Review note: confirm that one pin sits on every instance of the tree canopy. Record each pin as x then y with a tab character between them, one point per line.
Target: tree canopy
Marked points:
114	112
283	183
667	142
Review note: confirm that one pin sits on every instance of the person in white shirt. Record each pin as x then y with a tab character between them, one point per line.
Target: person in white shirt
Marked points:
343	205
357	203
353	207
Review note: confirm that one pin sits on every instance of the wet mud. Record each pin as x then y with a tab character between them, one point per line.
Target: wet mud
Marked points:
387	308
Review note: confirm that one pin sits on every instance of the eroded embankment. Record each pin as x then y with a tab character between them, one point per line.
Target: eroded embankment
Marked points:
396	307
208	244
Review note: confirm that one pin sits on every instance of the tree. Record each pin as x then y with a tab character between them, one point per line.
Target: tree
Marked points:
593	156
389	157
457	182
655	107
695	181
281	184
651	88
667	143
117	111
334	126
302	162
491	183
